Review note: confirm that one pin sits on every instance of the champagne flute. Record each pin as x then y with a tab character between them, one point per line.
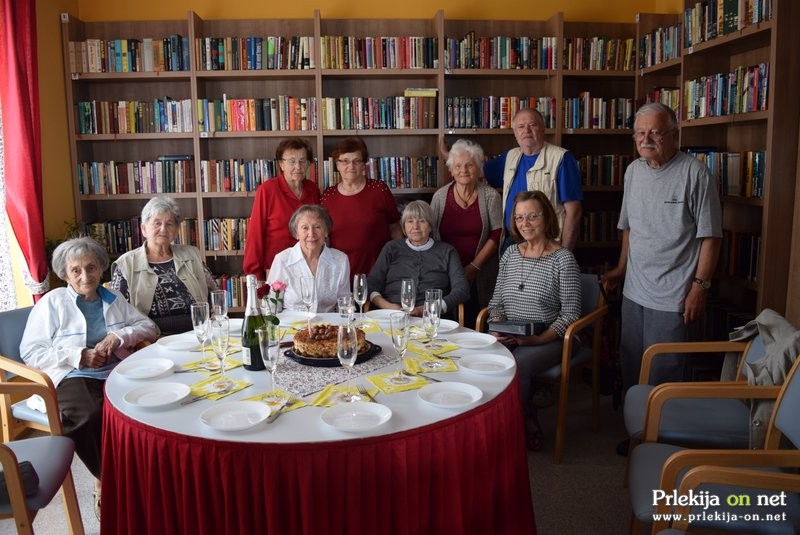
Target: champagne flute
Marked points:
398	322
219	303
269	342
199	313
307	295
431	315
346	308
408	295
360	293
347	351
220	339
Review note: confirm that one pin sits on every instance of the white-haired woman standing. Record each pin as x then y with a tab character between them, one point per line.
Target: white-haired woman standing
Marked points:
468	214
160	278
77	335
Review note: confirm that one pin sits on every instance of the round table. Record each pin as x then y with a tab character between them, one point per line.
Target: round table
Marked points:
426	470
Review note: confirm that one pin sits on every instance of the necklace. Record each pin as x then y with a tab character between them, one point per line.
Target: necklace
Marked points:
464	202
530	271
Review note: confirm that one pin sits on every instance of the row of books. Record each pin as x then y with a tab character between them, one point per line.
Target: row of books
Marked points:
283	112
241	175
604	169
737	173
501	52
236	286
742	90
599	226
397	172
168	175
370	113
660	45
225	233
169	53
599	54
738	255
351	52
134	117
122	235
255	53
585	111
495	112
669	96
708	19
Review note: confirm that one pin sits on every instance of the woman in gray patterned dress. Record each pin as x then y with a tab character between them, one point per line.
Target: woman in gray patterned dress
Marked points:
538	281
160	278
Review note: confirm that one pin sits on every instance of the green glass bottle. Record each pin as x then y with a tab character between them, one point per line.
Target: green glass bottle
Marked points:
251	351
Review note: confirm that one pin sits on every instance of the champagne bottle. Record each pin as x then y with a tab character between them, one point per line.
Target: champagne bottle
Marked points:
251	351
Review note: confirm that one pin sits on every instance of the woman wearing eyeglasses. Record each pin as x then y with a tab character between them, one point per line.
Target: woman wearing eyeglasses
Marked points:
539	281
275	202
363	211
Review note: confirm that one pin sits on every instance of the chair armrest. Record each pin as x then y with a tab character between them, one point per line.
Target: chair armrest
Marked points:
684	347
48	394
583	322
664	392
482	320
26	372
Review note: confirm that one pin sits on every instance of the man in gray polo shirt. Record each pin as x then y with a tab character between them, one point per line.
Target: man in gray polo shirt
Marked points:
671	234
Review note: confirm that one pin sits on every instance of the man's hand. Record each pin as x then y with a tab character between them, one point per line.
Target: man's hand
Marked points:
91	358
107	345
694	304
612	278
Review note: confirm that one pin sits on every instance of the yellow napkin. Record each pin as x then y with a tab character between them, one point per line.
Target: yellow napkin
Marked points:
391	383
210	366
332	394
211	384
274	398
430	364
437	348
233	347
370	326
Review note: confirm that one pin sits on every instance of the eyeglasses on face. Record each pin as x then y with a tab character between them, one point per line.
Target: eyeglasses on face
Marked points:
655	135
529	217
527	126
344	162
291	162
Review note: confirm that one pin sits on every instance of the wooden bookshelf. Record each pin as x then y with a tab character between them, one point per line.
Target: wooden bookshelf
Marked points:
773	130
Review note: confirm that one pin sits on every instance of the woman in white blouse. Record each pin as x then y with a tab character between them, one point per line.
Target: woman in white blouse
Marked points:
311	257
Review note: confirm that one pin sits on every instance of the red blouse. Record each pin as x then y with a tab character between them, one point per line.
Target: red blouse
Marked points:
361	222
268	230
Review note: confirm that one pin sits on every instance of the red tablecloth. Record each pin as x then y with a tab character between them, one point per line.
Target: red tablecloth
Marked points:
467	474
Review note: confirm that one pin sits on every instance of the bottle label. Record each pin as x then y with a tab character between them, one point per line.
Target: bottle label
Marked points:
246	360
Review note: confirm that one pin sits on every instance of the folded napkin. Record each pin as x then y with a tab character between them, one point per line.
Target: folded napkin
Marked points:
370	326
430	364
210	365
233	347
274	398
333	394
36	402
391	383
210	385
438	347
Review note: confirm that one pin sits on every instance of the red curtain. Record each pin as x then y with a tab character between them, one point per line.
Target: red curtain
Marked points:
19	94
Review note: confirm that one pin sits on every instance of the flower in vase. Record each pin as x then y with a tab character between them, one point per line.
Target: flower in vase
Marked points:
271	304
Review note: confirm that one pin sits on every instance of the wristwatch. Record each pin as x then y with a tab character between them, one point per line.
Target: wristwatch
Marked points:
706	285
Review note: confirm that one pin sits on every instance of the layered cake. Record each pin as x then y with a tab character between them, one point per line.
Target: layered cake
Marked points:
320	342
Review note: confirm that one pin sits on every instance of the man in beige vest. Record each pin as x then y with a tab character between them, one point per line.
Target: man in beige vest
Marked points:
538	165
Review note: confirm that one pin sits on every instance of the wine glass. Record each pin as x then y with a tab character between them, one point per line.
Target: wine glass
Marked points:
199	313
431	315
269	343
219	303
347	351
220	339
408	295
398	322
360	293
307	295
346	308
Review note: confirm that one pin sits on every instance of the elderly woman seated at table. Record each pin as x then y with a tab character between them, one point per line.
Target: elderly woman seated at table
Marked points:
538	282
429	263
311	259
77	335
160	278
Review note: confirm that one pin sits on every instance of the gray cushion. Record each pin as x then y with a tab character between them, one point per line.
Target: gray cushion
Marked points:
645	473
21	411
51	456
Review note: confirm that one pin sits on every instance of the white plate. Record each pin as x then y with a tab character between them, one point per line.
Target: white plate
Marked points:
472	340
180	342
157	395
450	395
357	416
486	364
445	326
380	315
235	415
289	317
143	368
235	327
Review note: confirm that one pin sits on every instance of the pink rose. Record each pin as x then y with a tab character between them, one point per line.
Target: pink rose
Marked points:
278	286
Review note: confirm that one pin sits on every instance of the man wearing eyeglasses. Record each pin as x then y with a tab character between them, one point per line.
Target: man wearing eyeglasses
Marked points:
671	234
538	166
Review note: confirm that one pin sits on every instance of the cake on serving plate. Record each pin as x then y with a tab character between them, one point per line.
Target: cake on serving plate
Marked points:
320	343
